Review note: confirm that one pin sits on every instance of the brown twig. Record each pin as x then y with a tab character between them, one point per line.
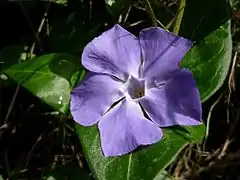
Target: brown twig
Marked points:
150	11
209	119
231	84
10	109
40	26
29	22
127	14
34	146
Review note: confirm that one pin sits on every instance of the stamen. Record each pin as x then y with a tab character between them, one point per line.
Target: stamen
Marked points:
135	87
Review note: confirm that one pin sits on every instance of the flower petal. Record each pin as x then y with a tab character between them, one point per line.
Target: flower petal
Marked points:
124	128
93	97
175	103
162	52
115	52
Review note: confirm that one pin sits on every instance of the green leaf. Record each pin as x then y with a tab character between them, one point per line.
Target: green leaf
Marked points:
68	171
210	59
207	23
50	77
146	163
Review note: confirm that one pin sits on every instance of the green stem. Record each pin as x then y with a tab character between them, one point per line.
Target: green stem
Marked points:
177	23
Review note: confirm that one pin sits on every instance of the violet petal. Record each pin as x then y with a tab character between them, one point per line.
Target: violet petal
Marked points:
93	97
175	103
124	128
162	53
115	52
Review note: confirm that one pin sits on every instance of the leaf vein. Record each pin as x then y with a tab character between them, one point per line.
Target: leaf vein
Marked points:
129	166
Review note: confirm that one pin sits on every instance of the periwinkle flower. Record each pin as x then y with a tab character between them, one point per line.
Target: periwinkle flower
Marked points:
135	86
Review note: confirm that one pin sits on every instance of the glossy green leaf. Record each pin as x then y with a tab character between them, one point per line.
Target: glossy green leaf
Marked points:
209	60
146	163
50	77
208	24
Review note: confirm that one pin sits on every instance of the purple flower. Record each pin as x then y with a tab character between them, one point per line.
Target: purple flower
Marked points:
135	86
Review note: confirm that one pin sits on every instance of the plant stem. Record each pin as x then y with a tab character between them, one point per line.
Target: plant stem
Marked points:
177	24
152	15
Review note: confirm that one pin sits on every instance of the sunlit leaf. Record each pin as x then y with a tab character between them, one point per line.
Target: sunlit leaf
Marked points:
146	163
50	77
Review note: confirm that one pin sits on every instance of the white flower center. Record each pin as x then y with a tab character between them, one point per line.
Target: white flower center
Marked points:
135	88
